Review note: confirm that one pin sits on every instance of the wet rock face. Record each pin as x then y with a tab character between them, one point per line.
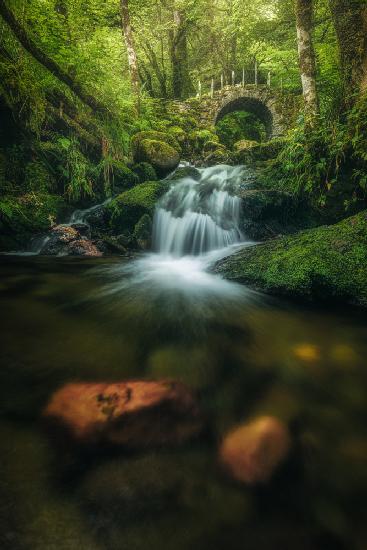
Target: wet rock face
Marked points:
135	414
70	240
252	452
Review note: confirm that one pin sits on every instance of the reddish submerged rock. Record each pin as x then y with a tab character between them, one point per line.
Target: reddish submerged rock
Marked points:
134	414
252	452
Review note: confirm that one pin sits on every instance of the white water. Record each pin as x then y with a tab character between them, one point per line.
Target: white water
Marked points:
195	217
195	224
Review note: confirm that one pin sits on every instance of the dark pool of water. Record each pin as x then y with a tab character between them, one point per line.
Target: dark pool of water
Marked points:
243	355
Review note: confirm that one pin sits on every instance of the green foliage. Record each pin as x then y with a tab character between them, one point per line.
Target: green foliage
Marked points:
22	216
37	177
327	161
76	170
240	125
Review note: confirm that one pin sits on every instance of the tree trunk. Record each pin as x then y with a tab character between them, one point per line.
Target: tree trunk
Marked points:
181	82
47	62
306	54
130	46
350	22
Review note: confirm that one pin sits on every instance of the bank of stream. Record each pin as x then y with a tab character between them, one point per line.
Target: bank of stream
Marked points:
159	316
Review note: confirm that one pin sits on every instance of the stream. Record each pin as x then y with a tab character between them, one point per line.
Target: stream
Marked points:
164	315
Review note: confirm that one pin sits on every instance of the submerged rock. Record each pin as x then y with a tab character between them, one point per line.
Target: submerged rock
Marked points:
322	263
252	452
134	414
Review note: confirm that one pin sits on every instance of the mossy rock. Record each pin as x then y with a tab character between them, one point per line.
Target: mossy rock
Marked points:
127	209
211	146
123	177
23	217
218	156
327	262
145	172
160	155
186	172
178	133
198	139
155	136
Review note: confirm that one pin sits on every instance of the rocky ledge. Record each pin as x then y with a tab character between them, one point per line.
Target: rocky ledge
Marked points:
327	262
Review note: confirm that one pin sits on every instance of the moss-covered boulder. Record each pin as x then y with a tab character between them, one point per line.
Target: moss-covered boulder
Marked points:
220	155
155	136
145	172
160	155
24	216
178	133
126	210
328	262
247	151
122	176
198	139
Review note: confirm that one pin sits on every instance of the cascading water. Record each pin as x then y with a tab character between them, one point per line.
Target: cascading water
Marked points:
199	215
196	223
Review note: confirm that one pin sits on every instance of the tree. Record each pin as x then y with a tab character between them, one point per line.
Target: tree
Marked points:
306	54
130	46
33	49
181	81
350	22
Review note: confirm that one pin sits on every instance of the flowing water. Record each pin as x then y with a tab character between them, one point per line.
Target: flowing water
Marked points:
165	315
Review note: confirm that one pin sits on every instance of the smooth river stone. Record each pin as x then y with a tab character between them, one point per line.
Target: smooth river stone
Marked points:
253	451
135	414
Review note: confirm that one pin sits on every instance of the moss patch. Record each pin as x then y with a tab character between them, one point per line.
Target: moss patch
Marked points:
128	208
322	263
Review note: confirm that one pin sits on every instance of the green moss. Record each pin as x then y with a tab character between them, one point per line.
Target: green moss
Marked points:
198	139
128	208
160	155
321	263
167	138
123	177
178	133
144	171
38	178
21	217
186	172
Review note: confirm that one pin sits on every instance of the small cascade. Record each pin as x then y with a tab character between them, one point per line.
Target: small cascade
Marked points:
198	216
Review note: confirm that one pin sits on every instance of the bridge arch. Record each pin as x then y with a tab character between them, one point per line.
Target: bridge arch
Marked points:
250	104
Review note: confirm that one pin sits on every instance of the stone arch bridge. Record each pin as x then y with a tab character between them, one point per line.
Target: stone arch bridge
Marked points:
277	109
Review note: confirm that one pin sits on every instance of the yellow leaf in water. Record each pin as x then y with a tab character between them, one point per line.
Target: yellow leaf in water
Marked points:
307	352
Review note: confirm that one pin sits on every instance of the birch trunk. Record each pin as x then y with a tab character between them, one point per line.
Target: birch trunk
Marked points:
306	54
130	46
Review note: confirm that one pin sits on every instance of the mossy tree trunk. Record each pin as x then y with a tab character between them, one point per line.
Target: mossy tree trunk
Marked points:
350	21
181	83
306	54
131	52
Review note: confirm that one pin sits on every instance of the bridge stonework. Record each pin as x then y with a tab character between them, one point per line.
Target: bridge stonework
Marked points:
277	109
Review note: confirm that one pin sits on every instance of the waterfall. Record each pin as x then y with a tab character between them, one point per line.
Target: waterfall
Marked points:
199	215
